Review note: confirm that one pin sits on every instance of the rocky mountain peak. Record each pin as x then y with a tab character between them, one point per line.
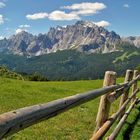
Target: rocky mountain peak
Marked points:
86	24
83	36
132	40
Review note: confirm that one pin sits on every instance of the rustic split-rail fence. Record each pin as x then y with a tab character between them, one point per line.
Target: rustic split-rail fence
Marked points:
14	121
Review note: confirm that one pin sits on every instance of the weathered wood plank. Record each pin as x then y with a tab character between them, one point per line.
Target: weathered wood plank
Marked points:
116	94
116	131
105	127
134	86
104	107
128	78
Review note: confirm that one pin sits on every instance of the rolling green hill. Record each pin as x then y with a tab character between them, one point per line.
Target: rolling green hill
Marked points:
77	123
4	72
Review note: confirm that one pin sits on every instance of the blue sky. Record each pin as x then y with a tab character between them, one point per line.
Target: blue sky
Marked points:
37	16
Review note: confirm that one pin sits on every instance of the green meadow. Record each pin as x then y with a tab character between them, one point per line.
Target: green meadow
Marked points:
75	124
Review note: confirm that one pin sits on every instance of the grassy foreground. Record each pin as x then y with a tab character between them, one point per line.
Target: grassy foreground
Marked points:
75	124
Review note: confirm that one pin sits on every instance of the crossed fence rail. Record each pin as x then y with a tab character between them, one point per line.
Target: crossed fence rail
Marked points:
14	121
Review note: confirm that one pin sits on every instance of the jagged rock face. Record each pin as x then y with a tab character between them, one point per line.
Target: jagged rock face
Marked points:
133	40
137	42
19	43
83	36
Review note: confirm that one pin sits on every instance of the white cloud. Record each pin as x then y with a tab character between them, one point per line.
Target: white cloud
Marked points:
85	12
19	30
86	8
126	6
1	19
64	26
37	16
102	23
24	26
61	15
2	5
1	37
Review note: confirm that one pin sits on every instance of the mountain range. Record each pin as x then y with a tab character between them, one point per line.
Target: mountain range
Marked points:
74	52
83	36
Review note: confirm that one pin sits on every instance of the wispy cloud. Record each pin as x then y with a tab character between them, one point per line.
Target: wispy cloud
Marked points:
9	31
1	19
76	10
55	15
126	6
2	4
1	37
61	15
37	16
24	26
86	8
19	30
102	23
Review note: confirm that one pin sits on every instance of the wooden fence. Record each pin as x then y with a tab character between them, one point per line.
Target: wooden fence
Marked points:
14	121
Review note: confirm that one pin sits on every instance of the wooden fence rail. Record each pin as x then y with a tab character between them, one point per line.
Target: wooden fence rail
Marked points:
105	127
14	121
122	121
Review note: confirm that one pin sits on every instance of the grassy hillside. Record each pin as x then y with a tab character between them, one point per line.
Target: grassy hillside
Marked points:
77	124
4	72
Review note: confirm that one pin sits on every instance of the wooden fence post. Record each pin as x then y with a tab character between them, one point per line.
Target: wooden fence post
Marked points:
104	107
128	78
134	86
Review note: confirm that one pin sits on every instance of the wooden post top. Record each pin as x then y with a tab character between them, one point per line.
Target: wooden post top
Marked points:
136	73
110	78
129	75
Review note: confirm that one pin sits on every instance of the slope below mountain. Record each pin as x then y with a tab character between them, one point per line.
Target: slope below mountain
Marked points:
73	65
